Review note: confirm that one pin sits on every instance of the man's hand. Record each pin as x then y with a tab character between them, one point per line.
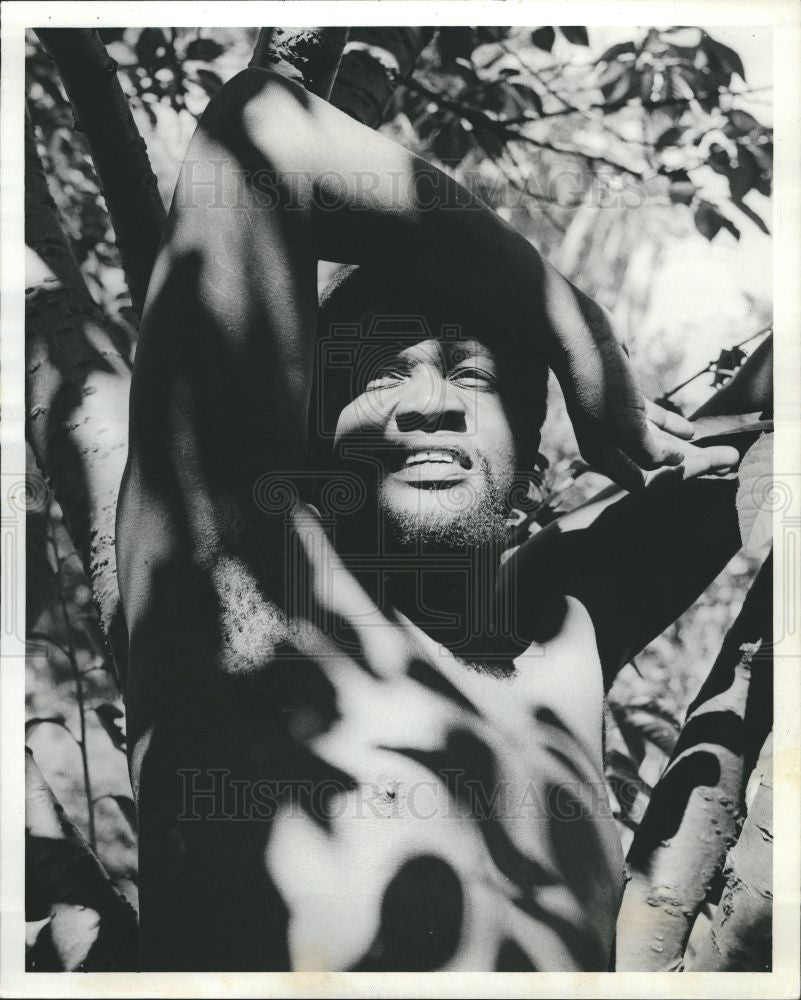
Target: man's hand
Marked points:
619	432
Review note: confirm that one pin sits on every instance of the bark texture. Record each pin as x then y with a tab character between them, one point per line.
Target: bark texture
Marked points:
374	62
309	56
77	386
120	157
90	926
697	808
740	937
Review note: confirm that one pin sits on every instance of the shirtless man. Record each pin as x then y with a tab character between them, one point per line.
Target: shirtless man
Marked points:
358	740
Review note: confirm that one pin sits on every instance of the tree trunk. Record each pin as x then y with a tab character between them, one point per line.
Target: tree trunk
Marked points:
309	56
374	62
91	927
119	153
77	386
740	937
696	810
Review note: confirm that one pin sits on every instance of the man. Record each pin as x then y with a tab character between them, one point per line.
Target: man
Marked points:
358	740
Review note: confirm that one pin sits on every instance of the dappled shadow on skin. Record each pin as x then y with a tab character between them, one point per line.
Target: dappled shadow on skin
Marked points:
572	859
431	678
223	682
211	680
421	919
467	767
512	958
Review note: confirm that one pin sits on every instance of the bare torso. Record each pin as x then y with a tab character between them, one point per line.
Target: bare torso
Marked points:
476	832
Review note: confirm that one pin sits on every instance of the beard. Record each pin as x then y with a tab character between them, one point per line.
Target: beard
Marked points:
466	515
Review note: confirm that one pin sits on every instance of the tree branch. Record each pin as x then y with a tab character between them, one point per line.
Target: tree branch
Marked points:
120	157
739	939
696	810
77	386
310	56
374	62
504	130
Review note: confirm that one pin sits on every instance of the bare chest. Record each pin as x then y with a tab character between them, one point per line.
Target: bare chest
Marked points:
474	830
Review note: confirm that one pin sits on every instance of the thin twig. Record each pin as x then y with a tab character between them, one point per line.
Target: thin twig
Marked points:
712	365
501	128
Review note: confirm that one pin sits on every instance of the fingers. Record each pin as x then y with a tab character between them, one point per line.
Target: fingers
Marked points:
660	452
654	448
668	421
702	461
612	462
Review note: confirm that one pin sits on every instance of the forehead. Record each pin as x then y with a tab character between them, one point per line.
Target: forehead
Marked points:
447	351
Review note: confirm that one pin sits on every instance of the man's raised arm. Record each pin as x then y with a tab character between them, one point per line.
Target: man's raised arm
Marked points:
275	179
638	561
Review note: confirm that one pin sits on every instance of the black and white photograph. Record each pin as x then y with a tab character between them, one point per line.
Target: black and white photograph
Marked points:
399	572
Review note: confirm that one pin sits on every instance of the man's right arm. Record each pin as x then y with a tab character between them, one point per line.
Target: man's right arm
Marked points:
273	180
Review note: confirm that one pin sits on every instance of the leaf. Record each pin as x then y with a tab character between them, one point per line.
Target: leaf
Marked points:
729	360
73	930
647	78
694	79
490	141
451	142
491	33
455	43
612	72
147	45
618	85
54	720
670	137
575	34
709	221
682	37
204	49
756	497
628	788
743	122
652	723
110	716
722	58
108	35
743	173
749	213
616	51
209	81
726	425
544	38
529	94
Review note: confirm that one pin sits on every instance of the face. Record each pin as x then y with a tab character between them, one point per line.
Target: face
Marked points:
430	421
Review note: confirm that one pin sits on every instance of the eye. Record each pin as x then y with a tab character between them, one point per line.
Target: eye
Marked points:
386	378
473	378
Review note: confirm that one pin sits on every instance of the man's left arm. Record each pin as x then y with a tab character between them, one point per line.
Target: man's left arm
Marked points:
638	561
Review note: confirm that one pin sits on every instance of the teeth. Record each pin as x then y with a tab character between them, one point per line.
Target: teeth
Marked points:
430	456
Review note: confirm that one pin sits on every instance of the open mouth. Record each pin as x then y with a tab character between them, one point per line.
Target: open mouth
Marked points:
431	468
437	457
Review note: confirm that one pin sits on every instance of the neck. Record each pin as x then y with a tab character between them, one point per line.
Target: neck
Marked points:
448	591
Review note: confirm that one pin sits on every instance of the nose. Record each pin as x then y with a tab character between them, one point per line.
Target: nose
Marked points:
429	402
